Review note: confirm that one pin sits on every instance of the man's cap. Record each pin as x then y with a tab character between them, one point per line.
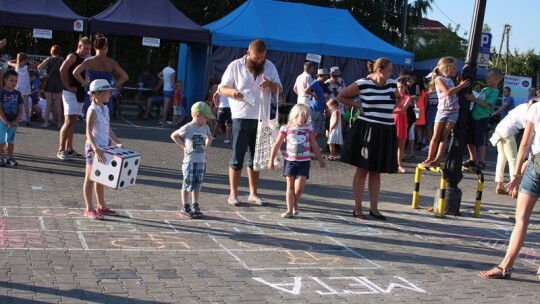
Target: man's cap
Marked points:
335	71
203	108
323	71
99	85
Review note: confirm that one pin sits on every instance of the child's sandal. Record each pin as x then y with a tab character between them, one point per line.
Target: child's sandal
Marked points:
503	273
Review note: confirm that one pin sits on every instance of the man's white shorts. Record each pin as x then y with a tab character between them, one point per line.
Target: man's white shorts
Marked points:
71	105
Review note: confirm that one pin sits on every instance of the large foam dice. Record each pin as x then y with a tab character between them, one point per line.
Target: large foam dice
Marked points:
119	170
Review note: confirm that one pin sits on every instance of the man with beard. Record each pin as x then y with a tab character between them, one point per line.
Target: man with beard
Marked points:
248	82
72	98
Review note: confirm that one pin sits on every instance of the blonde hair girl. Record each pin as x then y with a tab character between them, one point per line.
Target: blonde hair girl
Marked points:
300	140
447	108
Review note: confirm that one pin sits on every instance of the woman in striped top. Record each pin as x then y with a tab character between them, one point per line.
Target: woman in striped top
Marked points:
371	144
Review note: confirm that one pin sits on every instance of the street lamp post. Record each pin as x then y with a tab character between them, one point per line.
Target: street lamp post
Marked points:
455	154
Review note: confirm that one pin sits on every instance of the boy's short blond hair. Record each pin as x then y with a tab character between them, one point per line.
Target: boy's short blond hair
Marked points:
495	72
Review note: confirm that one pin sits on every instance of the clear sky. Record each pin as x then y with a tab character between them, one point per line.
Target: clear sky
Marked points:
522	15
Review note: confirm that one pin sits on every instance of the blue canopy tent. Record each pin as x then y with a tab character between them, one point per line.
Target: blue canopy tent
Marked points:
161	19
292	30
426	66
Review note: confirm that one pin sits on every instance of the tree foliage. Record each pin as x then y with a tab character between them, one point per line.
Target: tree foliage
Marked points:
525	64
445	43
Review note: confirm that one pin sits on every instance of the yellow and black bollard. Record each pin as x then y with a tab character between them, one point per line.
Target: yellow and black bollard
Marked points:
479	188
418	176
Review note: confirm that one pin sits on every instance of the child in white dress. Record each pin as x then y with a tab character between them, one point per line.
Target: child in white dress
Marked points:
335	135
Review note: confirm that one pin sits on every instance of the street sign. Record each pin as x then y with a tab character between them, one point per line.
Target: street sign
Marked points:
483	60
485	43
483	53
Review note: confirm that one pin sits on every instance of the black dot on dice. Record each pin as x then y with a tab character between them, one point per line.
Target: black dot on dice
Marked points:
132	181
125	164
98	173
129	172
122	184
114	163
111	177
136	162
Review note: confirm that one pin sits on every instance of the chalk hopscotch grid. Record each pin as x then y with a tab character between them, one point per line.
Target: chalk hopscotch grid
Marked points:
497	244
170	224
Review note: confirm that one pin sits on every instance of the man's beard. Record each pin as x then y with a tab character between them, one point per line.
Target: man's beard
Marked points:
255	68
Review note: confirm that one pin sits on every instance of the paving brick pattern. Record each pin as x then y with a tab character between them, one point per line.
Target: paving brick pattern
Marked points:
49	253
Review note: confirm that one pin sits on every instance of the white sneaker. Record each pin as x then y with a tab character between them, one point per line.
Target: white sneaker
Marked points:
227	141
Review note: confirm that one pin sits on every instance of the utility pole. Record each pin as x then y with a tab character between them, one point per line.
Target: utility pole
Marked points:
506	34
507	48
455	154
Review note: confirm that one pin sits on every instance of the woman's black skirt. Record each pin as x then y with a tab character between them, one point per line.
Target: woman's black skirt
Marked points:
371	146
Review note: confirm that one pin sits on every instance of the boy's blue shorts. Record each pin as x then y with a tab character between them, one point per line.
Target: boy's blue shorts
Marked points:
7	134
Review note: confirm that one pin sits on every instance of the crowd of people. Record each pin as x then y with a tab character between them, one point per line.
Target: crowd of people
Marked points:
372	119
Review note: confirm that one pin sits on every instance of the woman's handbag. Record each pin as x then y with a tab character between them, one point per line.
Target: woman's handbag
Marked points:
267	132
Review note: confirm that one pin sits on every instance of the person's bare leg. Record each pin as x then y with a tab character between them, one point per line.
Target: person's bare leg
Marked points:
374	186
234	180
48	108
184	195
26	108
58	108
166	106
87	189
524	206
148	108
66	133
253	178
10	149
359	182
99	190
481	154
195	196
289	195
400	153
299	184
442	144
228	132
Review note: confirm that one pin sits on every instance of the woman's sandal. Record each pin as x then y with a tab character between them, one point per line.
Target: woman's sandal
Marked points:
358	216
504	273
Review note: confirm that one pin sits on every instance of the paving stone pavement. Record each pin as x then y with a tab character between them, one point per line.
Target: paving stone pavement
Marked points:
49	253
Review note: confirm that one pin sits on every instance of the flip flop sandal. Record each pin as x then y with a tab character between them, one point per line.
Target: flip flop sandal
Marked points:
505	273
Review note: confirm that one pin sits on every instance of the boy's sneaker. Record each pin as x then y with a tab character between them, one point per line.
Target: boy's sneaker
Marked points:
2	162
186	210
227	141
196	210
63	155
93	214
73	153
10	161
